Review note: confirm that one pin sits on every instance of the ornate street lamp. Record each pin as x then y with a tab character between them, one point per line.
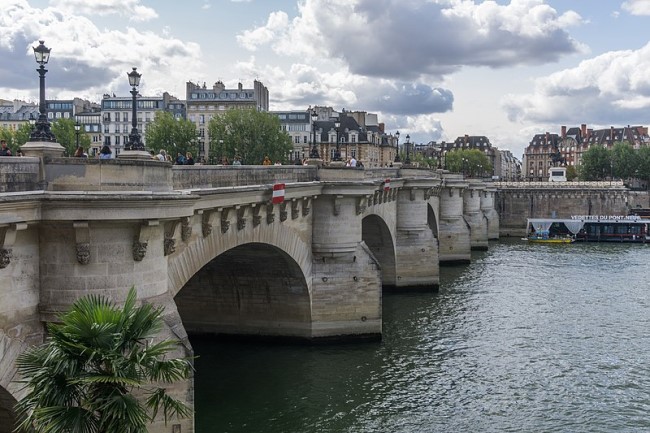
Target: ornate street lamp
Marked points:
42	131
337	154
134	137
397	158
313	153
77	128
407	161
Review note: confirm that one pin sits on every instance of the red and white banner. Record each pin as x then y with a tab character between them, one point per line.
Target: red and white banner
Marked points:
278	193
387	185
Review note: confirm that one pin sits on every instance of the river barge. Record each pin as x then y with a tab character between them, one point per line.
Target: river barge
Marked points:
590	228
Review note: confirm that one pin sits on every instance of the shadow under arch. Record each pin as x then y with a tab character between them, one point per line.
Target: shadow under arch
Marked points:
7	415
253	289
376	234
432	221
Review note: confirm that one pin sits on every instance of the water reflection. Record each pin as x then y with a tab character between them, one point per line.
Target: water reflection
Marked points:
524	339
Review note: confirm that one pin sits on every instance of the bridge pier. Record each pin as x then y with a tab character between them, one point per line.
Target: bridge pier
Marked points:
490	213
416	248
474	217
346	276
454	232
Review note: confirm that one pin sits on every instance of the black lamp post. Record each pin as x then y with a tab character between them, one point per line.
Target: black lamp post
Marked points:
337	154
42	131
407	161
77	128
134	136
313	153
397	158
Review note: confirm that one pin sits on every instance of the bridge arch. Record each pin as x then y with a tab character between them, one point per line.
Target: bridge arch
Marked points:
377	236
199	251
251	289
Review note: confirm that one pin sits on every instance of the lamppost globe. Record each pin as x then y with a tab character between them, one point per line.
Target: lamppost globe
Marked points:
42	53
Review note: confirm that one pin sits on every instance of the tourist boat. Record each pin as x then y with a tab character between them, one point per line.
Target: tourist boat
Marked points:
589	228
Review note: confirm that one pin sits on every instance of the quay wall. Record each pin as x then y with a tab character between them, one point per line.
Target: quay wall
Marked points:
516	204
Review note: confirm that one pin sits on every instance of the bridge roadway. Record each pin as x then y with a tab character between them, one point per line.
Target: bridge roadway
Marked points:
207	243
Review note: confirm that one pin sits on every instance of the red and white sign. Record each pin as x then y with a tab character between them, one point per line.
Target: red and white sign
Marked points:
278	193
387	185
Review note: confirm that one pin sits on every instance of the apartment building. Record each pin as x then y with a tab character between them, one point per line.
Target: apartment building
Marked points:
204	103
116	112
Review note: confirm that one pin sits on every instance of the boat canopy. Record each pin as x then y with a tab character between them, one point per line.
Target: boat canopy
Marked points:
544	224
575	224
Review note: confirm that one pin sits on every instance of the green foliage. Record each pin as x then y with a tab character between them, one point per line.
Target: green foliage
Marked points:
424	161
571	173
22	134
63	130
16	138
643	163
10	137
624	160
250	134
174	136
471	162
595	164
82	379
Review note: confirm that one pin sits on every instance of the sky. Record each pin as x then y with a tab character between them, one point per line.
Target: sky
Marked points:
432	69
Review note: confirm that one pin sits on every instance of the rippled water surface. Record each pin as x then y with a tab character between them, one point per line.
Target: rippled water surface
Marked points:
527	338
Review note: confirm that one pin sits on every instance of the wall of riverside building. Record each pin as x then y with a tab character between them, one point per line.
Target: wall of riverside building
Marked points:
515	206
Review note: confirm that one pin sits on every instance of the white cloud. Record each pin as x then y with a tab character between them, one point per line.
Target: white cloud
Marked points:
637	7
275	25
613	87
408	38
131	9
85	60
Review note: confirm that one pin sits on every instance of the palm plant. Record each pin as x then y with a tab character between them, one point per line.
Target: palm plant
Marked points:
83	378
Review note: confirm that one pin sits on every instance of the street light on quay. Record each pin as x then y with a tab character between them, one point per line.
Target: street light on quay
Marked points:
313	153
134	137
407	161
397	158
77	129
337	153
41	131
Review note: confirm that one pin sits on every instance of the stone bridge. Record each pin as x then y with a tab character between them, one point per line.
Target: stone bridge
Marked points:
208	244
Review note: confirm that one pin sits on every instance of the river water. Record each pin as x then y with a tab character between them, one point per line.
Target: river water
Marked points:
526	338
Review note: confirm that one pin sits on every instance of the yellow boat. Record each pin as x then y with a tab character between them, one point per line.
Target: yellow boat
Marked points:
547	240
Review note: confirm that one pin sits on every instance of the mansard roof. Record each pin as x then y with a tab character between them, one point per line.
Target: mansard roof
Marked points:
546	139
472	142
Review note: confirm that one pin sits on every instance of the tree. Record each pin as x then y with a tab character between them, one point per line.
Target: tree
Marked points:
471	162
596	163
624	160
171	134
250	134
22	134
82	378
571	173
63	130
